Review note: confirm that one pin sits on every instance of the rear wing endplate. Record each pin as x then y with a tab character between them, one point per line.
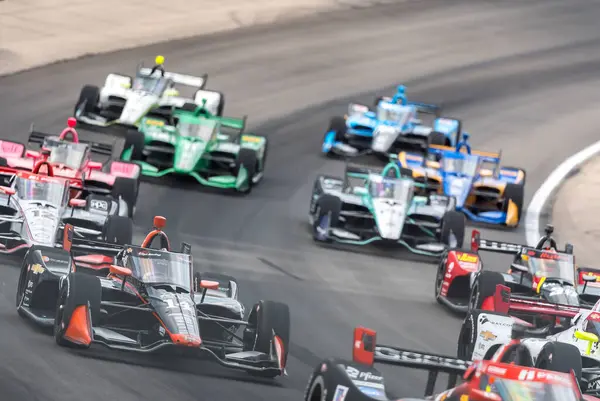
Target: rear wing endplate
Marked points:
366	351
38	137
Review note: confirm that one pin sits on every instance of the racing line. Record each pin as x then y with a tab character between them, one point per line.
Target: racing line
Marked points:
522	75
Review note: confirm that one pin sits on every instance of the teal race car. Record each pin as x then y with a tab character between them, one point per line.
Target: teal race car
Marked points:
213	150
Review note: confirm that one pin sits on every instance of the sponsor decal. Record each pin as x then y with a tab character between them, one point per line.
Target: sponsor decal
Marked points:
156	123
99	204
391	354
465	257
356	374
340	393
248	138
46	259
145	253
495	370
371	392
487	335
36	268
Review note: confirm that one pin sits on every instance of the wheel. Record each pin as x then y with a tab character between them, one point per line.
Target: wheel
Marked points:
560	357
221	105
265	154
338	125
90	95
439	277
484	287
118	230
466	338
135	140
515	193
436	138
327	215
78	298
126	188
249	159
268	318
316	390
453	229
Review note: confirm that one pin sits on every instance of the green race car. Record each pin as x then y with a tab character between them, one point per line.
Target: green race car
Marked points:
214	150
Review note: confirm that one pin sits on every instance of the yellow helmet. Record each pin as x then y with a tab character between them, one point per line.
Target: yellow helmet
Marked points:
159	60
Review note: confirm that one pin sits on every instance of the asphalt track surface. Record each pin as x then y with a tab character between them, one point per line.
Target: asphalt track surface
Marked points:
523	75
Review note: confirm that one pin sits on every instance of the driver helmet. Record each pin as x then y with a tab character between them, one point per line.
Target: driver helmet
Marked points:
400	96
387	189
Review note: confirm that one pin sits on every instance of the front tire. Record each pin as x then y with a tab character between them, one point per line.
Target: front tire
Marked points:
89	94
453	229
248	158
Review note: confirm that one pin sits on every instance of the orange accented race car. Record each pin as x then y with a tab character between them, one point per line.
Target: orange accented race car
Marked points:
150	300
500	379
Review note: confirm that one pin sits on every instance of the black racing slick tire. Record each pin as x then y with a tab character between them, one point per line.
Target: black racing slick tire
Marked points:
453	224
135	140
249	159
437	138
118	230
127	188
89	94
327	207
77	289
484	287
338	125
515	193
560	357
268	318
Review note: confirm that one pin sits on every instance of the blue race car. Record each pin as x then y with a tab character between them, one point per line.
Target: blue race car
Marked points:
392	126
484	191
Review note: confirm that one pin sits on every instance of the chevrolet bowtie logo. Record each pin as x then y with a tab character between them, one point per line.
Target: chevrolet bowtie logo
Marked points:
487	335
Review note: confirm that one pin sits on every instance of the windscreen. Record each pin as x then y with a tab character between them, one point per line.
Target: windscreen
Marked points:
521	390
393	113
550	264
152	266
53	192
390	188
148	84
70	154
202	130
466	165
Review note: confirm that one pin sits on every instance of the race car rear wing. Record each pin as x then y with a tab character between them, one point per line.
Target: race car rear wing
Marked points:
180	79
366	351
105	149
505	302
427	108
480	244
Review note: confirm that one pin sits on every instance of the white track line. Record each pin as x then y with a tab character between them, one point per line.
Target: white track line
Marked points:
532	218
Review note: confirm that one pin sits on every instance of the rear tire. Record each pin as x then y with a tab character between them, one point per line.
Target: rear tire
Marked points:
77	289
118	230
560	357
515	193
437	138
338	125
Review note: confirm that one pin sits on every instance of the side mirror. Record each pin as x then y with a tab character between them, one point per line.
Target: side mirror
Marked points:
8	191
518	267
361	191
94	165
209	284
120	270
354	108
591	338
589	278
32	154
77	202
476	394
126	85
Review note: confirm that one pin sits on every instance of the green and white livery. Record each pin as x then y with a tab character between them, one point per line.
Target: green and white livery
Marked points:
371	205
213	150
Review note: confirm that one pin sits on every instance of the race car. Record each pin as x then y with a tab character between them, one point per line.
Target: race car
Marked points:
371	205
124	101
484	191
35	208
392	126
150	301
566	338
537	273
213	150
493	380
70	158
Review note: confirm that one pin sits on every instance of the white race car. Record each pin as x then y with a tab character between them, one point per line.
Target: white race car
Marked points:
125	101
485	332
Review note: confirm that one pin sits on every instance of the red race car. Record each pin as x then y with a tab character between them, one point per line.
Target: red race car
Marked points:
500	379
70	158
